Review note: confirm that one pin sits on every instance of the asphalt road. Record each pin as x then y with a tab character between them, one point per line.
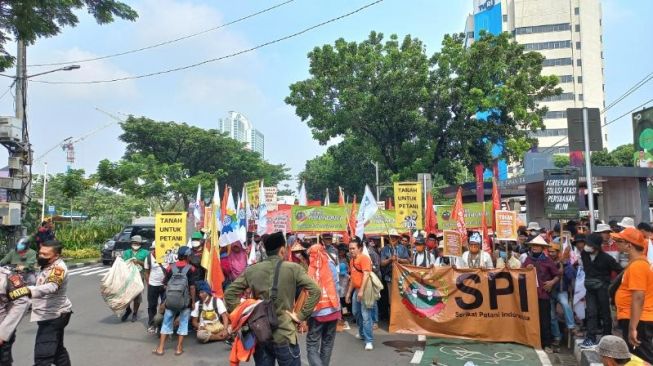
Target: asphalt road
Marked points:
96	337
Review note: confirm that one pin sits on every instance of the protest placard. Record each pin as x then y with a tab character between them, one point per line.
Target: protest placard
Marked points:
453	244
170	234
506	225
408	205
318	219
271	198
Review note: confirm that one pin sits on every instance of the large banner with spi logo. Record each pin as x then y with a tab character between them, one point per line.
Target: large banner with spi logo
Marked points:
488	305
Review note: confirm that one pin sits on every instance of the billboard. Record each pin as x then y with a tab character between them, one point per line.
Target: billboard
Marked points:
643	138
561	193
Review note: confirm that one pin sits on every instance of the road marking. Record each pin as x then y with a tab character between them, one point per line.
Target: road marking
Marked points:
544	358
97	271
82	270
417	357
421	338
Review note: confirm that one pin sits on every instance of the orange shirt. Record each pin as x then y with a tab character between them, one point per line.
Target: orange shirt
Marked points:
638	277
360	264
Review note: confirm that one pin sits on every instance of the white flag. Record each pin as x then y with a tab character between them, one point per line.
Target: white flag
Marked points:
216	207
303	200
327	201
366	210
198	206
262	223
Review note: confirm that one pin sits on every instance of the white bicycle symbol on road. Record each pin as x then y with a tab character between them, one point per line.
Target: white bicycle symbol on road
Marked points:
462	353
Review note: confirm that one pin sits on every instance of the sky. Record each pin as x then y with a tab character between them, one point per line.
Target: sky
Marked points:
254	83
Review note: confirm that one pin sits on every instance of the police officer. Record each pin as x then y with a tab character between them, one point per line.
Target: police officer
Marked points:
11	312
51	308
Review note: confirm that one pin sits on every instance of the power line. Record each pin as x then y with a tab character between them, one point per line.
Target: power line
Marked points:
166	42
293	35
8	90
627	113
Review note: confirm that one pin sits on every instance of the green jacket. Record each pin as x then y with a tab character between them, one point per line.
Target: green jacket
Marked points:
28	261
292	277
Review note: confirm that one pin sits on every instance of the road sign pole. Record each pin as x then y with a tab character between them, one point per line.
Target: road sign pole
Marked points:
588	170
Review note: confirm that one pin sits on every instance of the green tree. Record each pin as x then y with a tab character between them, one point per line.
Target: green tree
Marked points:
561	161
603	158
165	161
624	155
29	20
416	113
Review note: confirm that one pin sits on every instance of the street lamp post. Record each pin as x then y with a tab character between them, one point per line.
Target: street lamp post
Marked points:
376	168
45	184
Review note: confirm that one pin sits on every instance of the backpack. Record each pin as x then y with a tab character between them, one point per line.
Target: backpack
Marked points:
177	291
263	320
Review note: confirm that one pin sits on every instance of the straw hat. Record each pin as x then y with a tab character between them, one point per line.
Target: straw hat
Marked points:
297	247
538	240
393	232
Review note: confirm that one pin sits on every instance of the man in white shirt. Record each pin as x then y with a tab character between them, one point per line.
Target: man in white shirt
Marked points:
474	257
209	316
154	276
422	257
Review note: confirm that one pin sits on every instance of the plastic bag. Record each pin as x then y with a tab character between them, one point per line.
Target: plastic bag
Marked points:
121	285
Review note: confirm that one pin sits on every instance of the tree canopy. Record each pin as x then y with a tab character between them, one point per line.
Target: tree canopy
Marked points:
165	162
417	113
620	156
29	20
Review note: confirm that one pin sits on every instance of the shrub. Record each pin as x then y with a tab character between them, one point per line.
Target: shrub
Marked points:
81	253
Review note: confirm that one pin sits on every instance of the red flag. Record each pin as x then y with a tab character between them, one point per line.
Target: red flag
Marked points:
480	188
341	197
487	247
391	205
217	277
458	214
496	203
430	222
351	222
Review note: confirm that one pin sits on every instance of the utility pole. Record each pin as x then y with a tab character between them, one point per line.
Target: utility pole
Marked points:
378	190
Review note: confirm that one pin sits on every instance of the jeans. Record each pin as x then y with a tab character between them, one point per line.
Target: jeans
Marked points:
383	307
545	321
284	354
319	341
49	348
169	322
562	298
598	309
375	313
154	294
363	318
644	335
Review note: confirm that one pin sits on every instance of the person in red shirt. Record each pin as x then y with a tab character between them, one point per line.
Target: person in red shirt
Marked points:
360	268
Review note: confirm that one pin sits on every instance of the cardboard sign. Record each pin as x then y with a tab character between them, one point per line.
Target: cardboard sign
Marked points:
484	305
453	244
408	205
170	235
271	198
561	193
506	225
279	220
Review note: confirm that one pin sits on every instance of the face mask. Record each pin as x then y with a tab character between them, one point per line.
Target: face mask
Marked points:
43	261
136	247
588	249
21	246
195	243
503	255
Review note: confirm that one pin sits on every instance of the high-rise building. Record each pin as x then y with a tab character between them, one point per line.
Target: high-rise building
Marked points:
568	33
239	128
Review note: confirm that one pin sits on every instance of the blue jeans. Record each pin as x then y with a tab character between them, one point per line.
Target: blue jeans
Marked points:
375	313
284	354
561	297
169	320
363	318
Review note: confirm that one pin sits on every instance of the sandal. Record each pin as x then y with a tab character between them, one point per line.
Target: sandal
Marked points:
179	353
155	352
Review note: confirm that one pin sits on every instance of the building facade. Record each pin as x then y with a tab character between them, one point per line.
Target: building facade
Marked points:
239	128
568	33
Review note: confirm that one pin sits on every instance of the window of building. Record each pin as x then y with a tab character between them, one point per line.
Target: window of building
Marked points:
556	62
577	10
555	98
580	80
543	28
549	132
566	78
580	96
577	27
555	114
578	45
470	34
579	62
505	18
547	45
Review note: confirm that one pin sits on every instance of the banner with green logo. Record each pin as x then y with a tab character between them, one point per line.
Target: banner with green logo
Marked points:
318	219
472	215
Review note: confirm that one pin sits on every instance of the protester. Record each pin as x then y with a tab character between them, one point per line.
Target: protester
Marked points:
506	257
422	257
522	238
11	313
154	276
323	321
327	241
634	297
298	255
560	295
361	266
195	256
608	245
51	308
390	254
44	233
209	316
547	278
343	277
626	222
235	262
598	267
614	226
24	259
138	255
442	260
614	352
475	257
533	229
373	252
178	275
284	348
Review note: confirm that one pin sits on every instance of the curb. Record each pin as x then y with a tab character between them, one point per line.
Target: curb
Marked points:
586	357
83	264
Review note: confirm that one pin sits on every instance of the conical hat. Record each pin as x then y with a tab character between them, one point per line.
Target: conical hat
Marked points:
538	240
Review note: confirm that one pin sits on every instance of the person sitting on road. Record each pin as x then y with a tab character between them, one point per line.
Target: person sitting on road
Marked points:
138	255
209	317
614	352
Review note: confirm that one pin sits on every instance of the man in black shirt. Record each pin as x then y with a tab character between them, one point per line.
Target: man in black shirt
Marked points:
598	267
